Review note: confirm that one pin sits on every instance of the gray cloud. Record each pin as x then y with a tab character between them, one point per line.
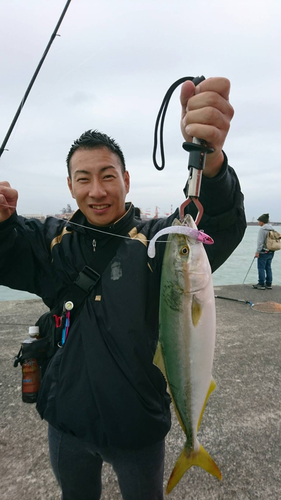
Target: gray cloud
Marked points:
110	69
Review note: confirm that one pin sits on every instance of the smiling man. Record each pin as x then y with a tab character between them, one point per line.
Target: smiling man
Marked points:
98	180
102	395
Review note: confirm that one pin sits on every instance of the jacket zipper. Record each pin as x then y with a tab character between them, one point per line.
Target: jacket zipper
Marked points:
94	243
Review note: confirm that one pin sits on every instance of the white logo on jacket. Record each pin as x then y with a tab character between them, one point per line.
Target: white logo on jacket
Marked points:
116	271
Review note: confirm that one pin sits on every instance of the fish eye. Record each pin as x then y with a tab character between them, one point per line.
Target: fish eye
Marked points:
184	250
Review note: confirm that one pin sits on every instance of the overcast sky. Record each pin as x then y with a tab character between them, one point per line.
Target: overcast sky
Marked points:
110	68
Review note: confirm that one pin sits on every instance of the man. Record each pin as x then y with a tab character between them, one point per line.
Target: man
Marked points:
263	255
102	395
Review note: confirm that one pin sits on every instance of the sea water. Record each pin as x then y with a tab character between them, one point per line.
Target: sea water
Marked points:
241	267
232	272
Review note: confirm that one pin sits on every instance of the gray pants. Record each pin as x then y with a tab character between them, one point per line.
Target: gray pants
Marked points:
77	467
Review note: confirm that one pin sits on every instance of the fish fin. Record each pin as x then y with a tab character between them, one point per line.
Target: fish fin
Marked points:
177	413
211	389
196	311
159	361
187	459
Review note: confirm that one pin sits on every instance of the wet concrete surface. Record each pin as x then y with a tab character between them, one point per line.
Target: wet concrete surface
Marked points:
240	427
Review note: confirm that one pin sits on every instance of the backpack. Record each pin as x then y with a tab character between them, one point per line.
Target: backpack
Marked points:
273	241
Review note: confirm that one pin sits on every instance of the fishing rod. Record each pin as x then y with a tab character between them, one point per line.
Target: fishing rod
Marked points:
53	36
248	270
198	150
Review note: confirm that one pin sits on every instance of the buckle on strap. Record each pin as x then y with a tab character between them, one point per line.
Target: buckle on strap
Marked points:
87	279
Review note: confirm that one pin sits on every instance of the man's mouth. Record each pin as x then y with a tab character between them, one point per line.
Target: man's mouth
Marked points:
99	207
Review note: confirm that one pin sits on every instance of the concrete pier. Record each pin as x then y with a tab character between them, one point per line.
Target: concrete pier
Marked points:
240	428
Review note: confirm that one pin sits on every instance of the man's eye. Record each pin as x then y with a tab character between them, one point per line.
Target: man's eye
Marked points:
82	179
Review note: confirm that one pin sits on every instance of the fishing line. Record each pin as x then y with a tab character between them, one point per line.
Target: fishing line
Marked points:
64	75
59	82
106	232
93	229
14	324
263	307
103	232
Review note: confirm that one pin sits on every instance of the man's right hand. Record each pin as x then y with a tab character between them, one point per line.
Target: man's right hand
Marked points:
8	201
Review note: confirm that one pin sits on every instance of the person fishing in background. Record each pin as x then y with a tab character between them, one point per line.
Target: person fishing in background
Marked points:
263	255
102	396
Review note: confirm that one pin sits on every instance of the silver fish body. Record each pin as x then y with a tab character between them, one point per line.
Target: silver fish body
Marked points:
187	326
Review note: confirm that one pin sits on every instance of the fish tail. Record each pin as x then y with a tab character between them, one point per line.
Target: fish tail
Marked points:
187	459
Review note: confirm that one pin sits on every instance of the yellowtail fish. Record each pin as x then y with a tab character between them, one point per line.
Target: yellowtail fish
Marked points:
187	325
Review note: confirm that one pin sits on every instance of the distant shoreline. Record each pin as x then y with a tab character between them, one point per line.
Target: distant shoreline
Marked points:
256	223
144	217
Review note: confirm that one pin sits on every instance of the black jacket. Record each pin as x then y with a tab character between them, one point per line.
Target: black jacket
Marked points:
102	386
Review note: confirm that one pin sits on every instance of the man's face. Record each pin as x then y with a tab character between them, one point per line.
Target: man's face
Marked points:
99	185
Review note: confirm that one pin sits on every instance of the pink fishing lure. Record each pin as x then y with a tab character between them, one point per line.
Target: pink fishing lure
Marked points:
189	231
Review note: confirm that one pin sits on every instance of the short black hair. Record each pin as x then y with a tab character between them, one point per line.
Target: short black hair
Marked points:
92	139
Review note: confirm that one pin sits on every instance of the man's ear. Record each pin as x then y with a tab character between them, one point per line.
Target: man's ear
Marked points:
127	181
69	183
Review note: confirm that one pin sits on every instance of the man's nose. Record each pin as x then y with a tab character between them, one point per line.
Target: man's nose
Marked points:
97	190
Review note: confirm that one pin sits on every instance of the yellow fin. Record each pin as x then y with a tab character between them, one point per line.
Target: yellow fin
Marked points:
196	310
189	458
211	389
159	361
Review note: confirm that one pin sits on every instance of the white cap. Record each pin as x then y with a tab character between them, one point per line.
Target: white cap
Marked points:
33	330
